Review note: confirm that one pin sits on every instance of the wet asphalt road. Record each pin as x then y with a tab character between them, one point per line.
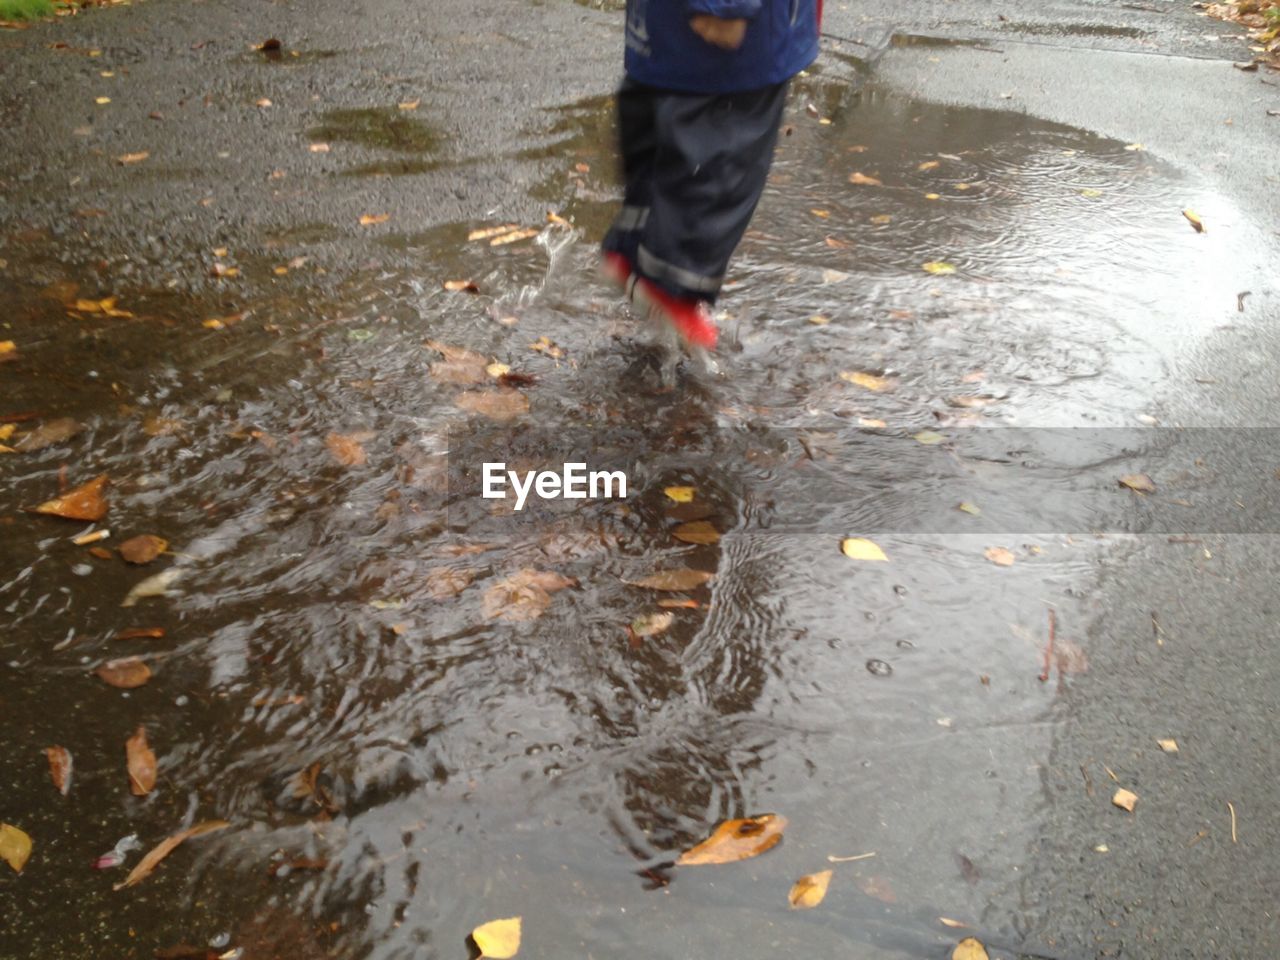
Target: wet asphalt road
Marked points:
492	79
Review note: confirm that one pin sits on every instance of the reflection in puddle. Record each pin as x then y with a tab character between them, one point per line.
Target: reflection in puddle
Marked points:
338	677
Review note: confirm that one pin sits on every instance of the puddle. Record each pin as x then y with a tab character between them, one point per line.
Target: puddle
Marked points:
337	617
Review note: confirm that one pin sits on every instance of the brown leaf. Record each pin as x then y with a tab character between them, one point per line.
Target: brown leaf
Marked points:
59	767
447	582
523	596
501	404
678	603
143	548
83	503
142	765
877	887
268	45
102	553
808	891
1138	482
696	531
136	633
346	449
735	840
1125	799
148	863
126	673
680	579
863	180
650	625
1000	556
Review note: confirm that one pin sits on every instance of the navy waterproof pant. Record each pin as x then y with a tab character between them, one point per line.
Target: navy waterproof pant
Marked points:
695	166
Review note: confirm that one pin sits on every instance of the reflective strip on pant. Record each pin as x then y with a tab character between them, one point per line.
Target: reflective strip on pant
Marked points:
660	269
631	218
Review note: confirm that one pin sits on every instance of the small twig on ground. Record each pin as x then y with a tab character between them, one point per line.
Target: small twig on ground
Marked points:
1048	650
1240	299
1088	780
1157	629
861	856
1232	808
1197	838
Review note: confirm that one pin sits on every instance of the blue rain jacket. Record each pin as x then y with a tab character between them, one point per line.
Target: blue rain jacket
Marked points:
663	51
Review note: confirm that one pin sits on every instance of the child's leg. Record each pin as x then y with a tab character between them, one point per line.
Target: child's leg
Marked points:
710	164
638	140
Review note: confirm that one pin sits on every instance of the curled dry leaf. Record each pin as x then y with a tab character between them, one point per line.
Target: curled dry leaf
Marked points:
498	939
1000	556
346	448
808	891
735	840
15	846
1194	219
59	767
1138	482
141	763
156	585
696	531
1125	799
83	503
860	548
143	548
954	924
970	948
148	863
680	579
126	673
868	381
523	596
863	180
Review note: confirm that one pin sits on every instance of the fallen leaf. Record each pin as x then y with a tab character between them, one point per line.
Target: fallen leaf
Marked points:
485	233
970	508
102	553
7	349
820	214
872	423
141	763
807	892
101	101
678	603
523	596
928	165
1134	147
881	219
59	767
224	271
868	381
928	437
1138	482
369	219
679	579
877	887
970	948
83	503
269	45
1168	746
1090	193
15	846
834	276
408	104
970	402
126	673
863	180
139	633
999	556
735	840
933	196
143	548
156	585
818	320
500	404
1194	219
498	939
1125	799
497	370
696	531
948	922
651	624
859	548
514	236
464	286
544	345
148	863
262	102
940	267
129	158
319	148
680	494
347	449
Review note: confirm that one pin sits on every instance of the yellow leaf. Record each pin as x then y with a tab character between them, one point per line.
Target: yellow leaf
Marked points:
859	548
809	890
938	267
680	494
129	158
1194	219
6	430
1089	193
15	846
102	100
280	271
872	423
818	320
868	381
822	214
409	104
214	324
498	939
1125	799
970	508
999	556
1138	482
496	369
735	840
484	233
928	437
970	948
863	180
369	219
928	165
933	196
87	306
882	218
7	346
1168	746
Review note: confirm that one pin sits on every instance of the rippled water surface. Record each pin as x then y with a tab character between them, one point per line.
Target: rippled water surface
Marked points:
351	675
